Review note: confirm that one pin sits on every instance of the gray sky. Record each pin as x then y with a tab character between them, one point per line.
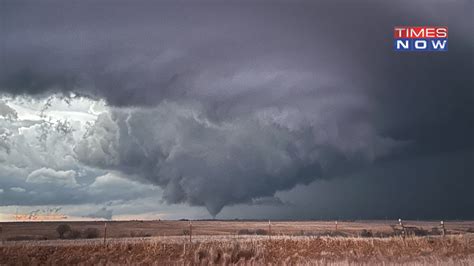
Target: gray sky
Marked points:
247	109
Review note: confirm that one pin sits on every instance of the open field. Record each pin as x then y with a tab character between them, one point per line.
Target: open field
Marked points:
47	230
235	242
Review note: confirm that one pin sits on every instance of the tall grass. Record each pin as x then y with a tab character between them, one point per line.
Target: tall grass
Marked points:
249	250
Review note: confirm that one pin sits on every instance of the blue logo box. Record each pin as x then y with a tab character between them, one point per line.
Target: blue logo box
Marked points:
420	44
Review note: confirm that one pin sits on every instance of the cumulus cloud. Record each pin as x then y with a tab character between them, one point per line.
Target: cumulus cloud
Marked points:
18	189
39	157
47	175
115	186
7	112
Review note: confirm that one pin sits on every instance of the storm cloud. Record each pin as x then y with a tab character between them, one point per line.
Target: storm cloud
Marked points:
203	163
219	104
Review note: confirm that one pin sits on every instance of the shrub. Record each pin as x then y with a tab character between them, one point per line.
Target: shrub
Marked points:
435	231
415	231
73	234
366	233
139	234
244	232
91	233
252	232
201	254
62	229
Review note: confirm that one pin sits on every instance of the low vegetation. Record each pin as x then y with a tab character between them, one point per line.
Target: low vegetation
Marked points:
246	250
91	233
252	232
66	232
237	242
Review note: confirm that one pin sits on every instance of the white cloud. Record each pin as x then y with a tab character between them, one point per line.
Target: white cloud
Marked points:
114	185
7	112
18	189
51	176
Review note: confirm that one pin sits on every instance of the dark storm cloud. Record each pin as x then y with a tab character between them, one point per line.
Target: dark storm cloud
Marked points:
143	53
213	165
316	84
432	187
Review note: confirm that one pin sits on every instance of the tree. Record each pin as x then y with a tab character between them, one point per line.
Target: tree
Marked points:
62	229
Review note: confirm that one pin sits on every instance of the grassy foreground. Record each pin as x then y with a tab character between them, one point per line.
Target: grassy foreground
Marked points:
244	250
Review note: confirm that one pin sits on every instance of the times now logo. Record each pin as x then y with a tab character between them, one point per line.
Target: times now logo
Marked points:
420	38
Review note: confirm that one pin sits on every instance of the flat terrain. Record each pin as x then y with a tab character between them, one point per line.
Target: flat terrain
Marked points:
239	242
47	230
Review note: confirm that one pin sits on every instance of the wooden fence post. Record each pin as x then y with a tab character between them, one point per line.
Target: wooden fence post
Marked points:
105	233
190	231
443	229
403	228
269	229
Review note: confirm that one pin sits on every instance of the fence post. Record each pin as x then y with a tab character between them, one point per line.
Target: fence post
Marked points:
336	225
190	231
105	233
442	228
403	228
269	229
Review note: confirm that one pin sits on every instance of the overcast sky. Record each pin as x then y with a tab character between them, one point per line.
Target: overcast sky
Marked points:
243	109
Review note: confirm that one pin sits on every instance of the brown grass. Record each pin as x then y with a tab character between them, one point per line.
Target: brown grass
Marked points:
243	249
236	242
47	230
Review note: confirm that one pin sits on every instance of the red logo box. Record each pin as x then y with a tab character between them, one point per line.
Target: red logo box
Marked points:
405	32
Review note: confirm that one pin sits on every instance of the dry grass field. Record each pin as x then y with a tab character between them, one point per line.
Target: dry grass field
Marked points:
238	242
